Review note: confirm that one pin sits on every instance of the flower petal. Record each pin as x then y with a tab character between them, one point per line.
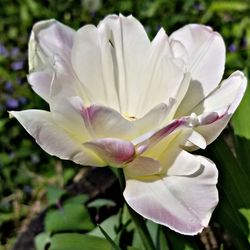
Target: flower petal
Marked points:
105	122
229	93
163	74
51	75
65	114
130	50
152	138
220	105
206	58
54	139
41	83
114	152
142	167
49	38
155	118
92	61
183	203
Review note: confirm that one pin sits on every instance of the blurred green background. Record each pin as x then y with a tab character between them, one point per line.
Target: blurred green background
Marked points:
26	171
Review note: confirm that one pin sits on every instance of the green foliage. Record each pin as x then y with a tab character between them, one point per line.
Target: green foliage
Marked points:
240	120
68	218
234	194
78	242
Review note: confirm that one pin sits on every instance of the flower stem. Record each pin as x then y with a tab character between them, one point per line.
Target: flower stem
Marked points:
138	220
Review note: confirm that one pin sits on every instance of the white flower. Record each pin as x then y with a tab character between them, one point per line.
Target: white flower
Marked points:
118	99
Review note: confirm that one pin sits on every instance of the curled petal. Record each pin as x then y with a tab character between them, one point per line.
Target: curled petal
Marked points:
196	139
114	152
206	59
49	38
54	139
51	73
220	106
183	203
228	94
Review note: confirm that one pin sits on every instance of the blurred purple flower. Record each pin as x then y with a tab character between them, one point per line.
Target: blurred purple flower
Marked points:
12	103
8	86
3	51
17	65
232	48
22	100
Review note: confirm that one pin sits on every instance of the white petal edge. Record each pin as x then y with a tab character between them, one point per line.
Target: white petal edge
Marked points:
53	139
182	203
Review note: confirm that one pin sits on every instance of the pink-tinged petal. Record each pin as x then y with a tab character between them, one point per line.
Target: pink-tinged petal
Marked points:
105	122
49	60
212	130
206	59
220	106
148	140
49	38
142	167
182	203
114	152
53	139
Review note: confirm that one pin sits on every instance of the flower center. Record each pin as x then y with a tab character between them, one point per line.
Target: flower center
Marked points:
129	117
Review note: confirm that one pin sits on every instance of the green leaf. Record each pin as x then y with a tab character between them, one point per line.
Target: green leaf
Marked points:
233	192
41	240
178	241
74	241
157	235
246	214
228	6
98	203
54	194
115	246
141	228
241	118
242	146
71	217
109	226
79	199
